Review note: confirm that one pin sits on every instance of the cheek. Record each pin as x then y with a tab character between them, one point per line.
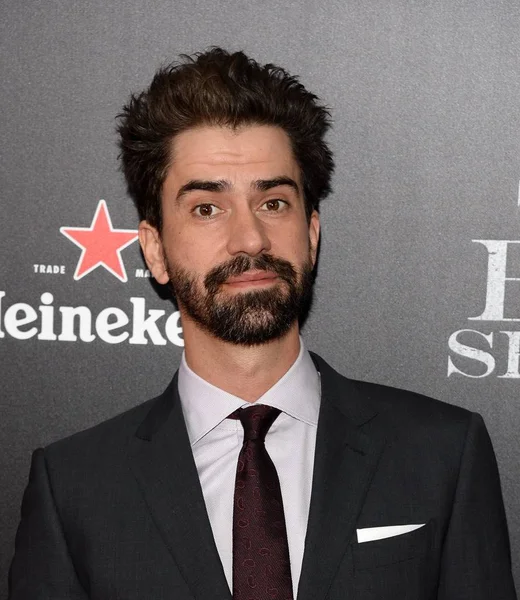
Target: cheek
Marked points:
176	242
196	256
297	242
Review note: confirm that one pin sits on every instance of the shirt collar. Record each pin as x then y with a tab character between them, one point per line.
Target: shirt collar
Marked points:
204	405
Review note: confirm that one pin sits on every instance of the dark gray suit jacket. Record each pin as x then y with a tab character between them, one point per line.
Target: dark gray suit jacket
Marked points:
117	512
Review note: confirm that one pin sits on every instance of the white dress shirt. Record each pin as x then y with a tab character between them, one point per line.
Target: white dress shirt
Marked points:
216	442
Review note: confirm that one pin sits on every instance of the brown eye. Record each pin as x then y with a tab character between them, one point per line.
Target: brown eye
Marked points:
205	210
273	205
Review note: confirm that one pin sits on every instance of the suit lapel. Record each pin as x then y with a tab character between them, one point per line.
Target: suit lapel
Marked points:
163	464
345	461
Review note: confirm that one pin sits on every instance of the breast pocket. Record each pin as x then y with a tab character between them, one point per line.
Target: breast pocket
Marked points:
399	548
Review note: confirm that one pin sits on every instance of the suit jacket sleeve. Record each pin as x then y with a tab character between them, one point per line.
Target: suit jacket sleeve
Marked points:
42	567
476	558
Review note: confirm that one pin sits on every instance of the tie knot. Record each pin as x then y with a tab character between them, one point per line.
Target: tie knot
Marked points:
256	420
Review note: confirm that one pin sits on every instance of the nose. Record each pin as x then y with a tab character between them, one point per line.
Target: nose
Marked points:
247	234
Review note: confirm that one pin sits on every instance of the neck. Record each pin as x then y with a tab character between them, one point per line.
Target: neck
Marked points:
244	371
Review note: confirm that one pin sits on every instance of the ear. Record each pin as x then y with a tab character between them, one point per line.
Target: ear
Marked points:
314	235
152	247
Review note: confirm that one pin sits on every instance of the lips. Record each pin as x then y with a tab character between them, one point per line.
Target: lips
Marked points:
243	271
252	277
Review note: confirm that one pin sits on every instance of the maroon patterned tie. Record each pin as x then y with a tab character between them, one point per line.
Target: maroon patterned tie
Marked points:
261	567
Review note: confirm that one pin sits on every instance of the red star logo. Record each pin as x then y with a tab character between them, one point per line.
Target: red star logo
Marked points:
101	244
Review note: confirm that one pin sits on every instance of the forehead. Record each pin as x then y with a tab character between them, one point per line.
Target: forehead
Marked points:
249	151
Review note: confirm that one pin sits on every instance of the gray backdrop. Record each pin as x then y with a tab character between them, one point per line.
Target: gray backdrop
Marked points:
420	235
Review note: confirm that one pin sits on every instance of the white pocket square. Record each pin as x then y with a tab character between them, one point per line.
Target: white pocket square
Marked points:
371	534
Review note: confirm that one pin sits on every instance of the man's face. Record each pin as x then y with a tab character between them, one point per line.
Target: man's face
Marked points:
235	244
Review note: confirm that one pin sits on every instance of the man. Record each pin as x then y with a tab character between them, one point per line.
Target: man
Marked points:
260	473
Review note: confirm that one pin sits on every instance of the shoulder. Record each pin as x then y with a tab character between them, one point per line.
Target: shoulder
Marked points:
103	442
396	411
418	433
408	405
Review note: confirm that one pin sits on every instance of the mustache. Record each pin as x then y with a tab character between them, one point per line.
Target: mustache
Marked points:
240	264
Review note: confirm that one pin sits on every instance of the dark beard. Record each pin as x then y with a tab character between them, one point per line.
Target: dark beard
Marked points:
252	317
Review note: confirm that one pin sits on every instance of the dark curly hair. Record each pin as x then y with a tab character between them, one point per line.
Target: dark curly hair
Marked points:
223	89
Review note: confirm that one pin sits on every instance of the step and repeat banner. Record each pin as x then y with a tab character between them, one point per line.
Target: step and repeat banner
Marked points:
419	274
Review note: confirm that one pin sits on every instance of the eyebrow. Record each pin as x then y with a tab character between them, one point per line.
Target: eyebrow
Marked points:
263	185
222	185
